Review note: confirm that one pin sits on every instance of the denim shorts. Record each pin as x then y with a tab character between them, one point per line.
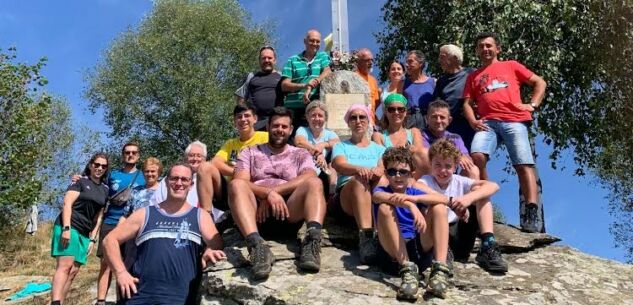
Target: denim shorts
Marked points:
513	134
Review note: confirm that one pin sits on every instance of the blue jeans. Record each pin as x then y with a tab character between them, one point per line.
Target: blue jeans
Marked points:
513	134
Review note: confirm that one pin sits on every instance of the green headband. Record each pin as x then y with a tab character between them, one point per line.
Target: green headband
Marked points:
396	97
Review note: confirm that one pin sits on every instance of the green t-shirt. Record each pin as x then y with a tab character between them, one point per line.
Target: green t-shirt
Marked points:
299	70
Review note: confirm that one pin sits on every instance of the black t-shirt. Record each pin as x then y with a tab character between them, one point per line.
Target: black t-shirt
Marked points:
264	91
92	198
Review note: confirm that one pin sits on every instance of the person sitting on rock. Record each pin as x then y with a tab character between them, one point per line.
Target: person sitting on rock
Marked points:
214	175
465	192
402	213
318	141
359	167
438	119
277	180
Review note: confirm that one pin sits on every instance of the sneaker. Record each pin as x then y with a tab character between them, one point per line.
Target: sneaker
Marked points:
531	218
224	222
409	286
262	260
310	259
490	259
438	281
367	246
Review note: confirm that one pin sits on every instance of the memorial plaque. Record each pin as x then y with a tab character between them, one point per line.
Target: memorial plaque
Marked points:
339	90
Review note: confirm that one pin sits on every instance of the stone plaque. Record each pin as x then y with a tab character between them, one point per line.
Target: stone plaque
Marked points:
339	90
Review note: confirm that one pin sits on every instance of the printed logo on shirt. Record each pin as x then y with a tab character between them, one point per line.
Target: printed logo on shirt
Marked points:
181	237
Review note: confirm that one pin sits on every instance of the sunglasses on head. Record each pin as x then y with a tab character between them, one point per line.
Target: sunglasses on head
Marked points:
99	165
396	109
392	172
266	48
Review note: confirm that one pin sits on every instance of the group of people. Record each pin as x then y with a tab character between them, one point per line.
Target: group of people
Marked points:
422	171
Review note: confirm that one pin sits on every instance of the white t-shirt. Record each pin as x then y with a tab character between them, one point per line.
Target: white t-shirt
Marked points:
192	197
458	186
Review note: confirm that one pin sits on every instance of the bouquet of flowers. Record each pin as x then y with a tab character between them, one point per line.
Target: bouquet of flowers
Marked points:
343	61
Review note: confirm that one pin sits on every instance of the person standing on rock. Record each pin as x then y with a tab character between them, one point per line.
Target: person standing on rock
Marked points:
302	75
262	88
77	226
495	110
276	185
418	89
364	65
174	240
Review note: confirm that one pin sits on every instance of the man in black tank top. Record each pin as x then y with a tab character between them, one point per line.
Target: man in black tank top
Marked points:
192	227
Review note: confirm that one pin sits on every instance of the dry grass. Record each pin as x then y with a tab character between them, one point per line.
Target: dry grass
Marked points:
26	255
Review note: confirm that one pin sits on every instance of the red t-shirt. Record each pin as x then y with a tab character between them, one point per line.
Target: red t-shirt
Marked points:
496	90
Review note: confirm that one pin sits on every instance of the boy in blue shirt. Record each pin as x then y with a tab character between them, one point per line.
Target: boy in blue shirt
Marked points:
412	226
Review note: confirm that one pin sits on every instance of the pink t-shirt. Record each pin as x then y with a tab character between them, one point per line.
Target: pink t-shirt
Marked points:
268	169
496	90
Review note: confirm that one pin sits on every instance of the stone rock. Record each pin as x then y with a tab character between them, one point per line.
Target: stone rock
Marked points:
342	82
539	273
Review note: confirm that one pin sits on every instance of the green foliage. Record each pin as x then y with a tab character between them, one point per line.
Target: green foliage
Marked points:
171	81
581	48
35	134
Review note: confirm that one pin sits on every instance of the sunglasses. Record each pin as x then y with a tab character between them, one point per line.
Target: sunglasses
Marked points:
392	172
357	117
396	109
99	165
131	152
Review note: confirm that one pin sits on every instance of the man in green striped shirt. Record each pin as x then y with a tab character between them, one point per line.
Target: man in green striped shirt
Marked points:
302	75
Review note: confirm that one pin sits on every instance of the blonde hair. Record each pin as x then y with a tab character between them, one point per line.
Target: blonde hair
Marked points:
153	161
445	149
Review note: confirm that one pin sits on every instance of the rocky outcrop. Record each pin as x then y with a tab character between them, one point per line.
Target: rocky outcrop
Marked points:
539	273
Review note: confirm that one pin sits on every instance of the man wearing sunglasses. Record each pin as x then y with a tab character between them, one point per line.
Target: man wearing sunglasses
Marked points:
262	88
302	75
119	180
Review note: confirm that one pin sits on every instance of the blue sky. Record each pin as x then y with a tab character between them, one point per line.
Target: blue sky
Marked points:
74	36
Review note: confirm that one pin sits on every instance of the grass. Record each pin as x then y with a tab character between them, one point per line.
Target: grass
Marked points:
26	255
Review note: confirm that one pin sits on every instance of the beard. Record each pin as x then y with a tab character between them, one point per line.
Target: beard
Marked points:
278	141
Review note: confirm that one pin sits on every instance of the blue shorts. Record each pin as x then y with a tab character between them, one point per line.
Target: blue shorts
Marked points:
513	134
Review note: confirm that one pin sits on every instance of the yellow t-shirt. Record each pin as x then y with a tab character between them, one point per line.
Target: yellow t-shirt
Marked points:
230	150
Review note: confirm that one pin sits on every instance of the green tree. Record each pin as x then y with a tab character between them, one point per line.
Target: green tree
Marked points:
171	81
36	137
582	49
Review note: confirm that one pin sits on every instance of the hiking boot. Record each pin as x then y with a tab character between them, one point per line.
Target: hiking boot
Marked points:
490	259
310	259
262	260
438	281
531	218
367	246
409	286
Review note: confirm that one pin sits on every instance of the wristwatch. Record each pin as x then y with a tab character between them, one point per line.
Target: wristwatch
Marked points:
66	228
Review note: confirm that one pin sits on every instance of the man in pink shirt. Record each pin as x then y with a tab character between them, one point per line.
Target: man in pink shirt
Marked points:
495	110
276	183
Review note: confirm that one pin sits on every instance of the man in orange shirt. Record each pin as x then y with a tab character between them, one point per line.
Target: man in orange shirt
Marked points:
364	64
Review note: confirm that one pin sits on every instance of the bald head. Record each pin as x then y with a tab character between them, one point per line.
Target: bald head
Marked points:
365	60
312	42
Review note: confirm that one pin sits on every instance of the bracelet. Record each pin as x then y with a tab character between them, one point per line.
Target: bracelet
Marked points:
92	240
450	201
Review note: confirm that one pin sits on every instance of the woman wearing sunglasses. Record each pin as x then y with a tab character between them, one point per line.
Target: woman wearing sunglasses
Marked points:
76	227
395	134
359	167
